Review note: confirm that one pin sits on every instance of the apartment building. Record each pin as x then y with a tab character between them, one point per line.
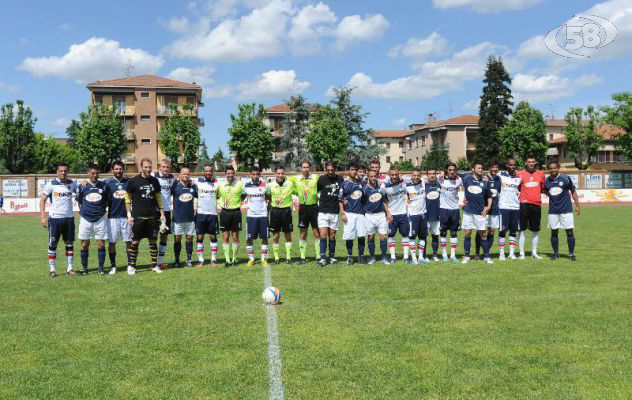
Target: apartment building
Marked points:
274	118
143	103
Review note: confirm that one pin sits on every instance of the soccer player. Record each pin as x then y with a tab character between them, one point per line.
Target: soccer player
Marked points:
328	187
305	189
377	216
376	166
256	194
117	216
352	214
230	195
416	193
478	203
281	190
395	190
143	202
60	221
531	187
509	205
166	180
433	191
557	187
93	198
183	192
493	217
206	222
362	174
449	215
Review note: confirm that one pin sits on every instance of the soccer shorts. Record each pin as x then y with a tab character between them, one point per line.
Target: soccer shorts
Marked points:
145	228
184	228
206	224
230	220
61	228
376	223
355	226
168	221
257	228
509	220
400	223
328	220
308	216
493	221
449	219
93	230
418	226
119	228
564	221
530	215
474	222
281	219
434	228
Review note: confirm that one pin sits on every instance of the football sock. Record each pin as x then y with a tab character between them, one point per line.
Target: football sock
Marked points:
189	248
132	253
372	248
177	248
453	243
84	258
435	245
521	239
323	248
153	253
349	244
214	251
570	238
467	243
288	250
226	249
512	245
302	248
52	255
555	241
477	244
422	249
501	245
70	254
251	252
412	246
235	248
361	242
101	258
161	252
444	245
486	246
112	256
383	248
275	250
332	248
490	239
391	246
405	246
200	250
534	242
264	251
317	247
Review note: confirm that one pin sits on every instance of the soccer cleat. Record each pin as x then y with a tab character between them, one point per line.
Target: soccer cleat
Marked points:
536	256
393	260
250	263
362	260
264	263
454	259
200	265
84	272
512	257
71	272
101	271
302	261
501	257
408	261
424	261
52	274
189	264
371	261
572	257
521	257
157	270
277	261
165	265
176	264
477	257
488	260
553	257
288	261
445	258
386	261
214	263
436	258
332	260
112	270
131	270
349	260
465	260
322	262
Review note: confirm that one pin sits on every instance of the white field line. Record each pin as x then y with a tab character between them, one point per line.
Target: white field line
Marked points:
274	350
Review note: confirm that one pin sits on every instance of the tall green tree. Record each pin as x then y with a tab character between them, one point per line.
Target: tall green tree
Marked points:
405	165
327	139
180	136
494	110
620	115
203	157
294	128
47	153
17	137
100	138
251	141
72	131
362	145
583	141
523	135
436	158
219	160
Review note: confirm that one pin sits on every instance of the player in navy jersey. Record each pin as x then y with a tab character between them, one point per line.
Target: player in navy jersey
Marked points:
493	218
449	214
362	174
352	214
166	180
478	203
559	188
93	198
395	190
117	216
377	216
183	192
433	190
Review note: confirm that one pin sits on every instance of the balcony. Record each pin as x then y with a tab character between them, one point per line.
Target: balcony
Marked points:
122	109
130	135
129	159
163	111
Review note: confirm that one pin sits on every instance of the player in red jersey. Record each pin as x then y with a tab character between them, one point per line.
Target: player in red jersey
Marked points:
531	188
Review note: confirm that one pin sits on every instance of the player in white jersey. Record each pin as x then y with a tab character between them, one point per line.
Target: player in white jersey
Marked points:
395	190
256	195
60	221
509	205
166	180
449	215
206	222
416	192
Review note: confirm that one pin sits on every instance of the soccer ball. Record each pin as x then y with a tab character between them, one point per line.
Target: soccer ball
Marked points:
271	295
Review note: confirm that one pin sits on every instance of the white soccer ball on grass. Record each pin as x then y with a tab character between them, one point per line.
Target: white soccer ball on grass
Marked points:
271	295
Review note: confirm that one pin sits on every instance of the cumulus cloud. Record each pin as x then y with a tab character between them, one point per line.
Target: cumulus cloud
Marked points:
537	89
96	58
472	104
61	122
9	88
273	83
486	6
399	122
308	26
203	77
433	45
354	28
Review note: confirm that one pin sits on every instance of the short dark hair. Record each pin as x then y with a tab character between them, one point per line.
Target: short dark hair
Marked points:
352	164
278	167
417	169
362	167
475	163
494	163
254	168
554	162
393	168
61	164
119	163
330	164
530	156
229	168
376	161
144	160
208	165
450	164
305	161
93	166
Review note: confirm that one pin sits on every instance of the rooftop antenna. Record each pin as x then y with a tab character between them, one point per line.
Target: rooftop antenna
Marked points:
129	67
552	115
450	109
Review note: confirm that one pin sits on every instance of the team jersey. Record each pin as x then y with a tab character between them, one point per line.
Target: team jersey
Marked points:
328	190
476	194
373	200
93	200
281	194
532	185
449	196
207	196
143	190
256	198
116	204
166	182
183	195
229	194
351	190
60	196
306	189
433	191
416	193
494	191
395	196
509	197
558	189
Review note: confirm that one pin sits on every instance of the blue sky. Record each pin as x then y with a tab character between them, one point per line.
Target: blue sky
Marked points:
406	58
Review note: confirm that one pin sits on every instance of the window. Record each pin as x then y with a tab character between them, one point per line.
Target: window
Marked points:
410	145
145	118
388	159
401	145
145	141
388	145
144	94
603	156
618	157
551	136
423	141
564	153
277	144
98	99
190	100
416	142
416	161
171	100
401	158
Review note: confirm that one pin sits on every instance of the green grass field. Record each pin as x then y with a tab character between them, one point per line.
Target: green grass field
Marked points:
526	330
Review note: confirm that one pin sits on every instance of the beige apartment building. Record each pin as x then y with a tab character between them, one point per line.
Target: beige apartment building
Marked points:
142	102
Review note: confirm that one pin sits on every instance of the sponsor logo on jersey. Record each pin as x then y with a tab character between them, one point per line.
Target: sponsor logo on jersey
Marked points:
185	197
119	194
375	197
555	191
494	192
532	184
433	195
94	197
356	195
474	189
62	194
